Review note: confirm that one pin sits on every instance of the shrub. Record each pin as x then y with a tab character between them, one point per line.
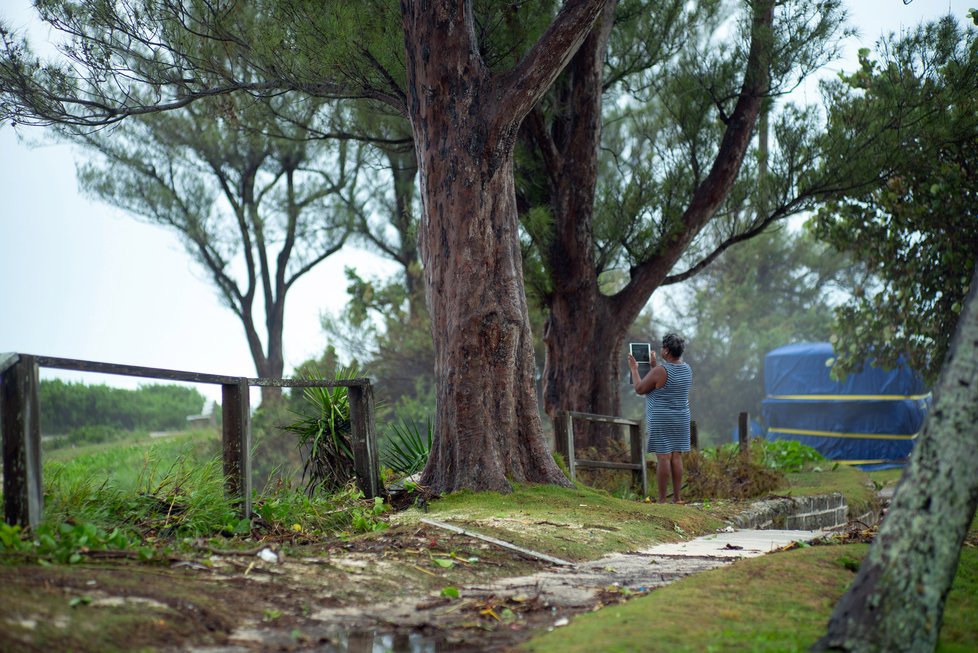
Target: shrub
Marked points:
724	473
324	431
407	446
788	455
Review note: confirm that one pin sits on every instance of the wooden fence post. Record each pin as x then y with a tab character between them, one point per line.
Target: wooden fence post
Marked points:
694	436
639	476
23	498
366	463
236	415
568	437
743	435
560	437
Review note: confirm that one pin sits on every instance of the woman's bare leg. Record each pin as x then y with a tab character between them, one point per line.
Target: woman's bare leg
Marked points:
676	464
663	469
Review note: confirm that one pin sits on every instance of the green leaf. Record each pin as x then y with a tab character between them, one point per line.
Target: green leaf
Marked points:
450	592
443	562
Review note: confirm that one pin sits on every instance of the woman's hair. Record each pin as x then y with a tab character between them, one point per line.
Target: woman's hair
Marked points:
674	343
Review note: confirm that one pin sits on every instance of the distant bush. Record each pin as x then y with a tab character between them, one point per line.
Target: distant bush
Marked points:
66	407
83	435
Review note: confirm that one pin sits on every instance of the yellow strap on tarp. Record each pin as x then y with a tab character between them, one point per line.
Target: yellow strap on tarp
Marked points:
866	462
834	434
850	397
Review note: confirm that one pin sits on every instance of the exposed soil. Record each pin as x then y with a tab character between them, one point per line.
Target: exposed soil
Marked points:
338	597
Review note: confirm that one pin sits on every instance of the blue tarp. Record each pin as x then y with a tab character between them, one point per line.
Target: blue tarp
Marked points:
871	418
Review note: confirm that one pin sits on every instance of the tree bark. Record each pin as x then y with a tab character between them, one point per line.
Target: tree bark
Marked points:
581	318
896	602
464	119
578	319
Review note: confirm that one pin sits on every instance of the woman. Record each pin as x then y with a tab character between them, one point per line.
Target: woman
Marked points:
666	390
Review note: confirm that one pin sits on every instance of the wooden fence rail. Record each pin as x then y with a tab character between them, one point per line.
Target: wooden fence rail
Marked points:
21	428
564	440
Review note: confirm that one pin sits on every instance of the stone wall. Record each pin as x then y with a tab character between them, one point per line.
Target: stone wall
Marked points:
796	513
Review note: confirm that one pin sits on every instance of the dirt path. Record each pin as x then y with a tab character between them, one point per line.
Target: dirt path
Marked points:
499	613
413	588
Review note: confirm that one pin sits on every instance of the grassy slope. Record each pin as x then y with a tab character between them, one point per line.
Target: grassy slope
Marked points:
778	602
571	524
585	523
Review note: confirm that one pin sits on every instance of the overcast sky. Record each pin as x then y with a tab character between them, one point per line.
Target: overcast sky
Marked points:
79	279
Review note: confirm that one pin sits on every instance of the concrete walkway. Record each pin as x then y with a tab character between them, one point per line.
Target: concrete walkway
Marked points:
647	569
732	543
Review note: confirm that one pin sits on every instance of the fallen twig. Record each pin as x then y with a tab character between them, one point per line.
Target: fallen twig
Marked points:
506	545
430	573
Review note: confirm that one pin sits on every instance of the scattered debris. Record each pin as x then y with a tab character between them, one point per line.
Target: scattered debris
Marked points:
268	555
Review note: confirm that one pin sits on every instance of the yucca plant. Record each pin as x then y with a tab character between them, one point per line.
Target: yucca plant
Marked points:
407	447
324	430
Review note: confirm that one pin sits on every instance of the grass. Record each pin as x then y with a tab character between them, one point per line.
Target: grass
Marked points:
577	524
128	466
136	440
886	477
112	484
164	492
587	523
778	603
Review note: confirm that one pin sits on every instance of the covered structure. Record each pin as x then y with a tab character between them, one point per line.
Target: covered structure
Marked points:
871	418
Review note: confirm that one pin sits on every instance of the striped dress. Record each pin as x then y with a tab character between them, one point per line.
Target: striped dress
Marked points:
667	411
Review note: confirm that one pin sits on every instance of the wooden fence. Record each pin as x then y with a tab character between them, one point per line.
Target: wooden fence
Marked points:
564	443
20	426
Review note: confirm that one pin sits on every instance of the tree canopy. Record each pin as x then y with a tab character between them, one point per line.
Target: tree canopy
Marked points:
255	200
642	161
917	228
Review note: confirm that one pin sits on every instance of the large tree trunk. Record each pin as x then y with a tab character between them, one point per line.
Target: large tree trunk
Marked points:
578	319
896	602
464	119
270	364
581	319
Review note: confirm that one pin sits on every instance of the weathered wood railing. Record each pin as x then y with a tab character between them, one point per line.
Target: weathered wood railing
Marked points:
20	425
564	440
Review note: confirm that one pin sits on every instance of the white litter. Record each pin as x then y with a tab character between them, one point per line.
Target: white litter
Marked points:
268	555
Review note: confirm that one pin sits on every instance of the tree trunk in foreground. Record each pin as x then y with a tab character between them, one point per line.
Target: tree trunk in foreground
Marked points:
465	118
896	602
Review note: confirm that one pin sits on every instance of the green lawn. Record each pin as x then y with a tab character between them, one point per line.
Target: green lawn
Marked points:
578	524
777	603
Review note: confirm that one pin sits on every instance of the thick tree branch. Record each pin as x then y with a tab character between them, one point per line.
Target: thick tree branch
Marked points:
524	85
755	229
712	191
